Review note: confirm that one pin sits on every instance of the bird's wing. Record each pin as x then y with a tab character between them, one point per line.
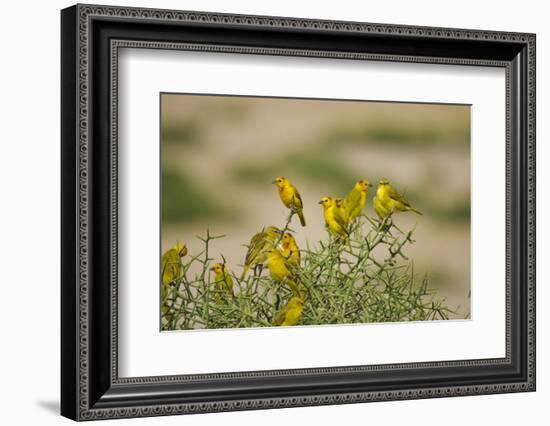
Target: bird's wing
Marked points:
171	266
396	196
295	251
164	262
292	260
353	198
227	280
297	198
170	258
256	244
340	220
285	261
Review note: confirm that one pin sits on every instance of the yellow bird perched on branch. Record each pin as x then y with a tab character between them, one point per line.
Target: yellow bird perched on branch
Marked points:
223	282
258	247
290	250
290	197
388	201
171	266
281	270
291	313
356	199
335	222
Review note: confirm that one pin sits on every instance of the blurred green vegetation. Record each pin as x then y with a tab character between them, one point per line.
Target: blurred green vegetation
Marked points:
455	212
184	133
392	134
183	200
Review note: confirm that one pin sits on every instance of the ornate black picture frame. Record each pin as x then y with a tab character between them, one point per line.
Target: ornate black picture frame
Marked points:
91	36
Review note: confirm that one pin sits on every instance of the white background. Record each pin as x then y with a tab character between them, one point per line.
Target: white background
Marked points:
29	225
141	344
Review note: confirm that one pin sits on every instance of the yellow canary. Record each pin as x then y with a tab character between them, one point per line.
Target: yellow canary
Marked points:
290	197
277	264
223	282
356	199
257	249
334	221
290	250
291	313
389	201
280	269
171	266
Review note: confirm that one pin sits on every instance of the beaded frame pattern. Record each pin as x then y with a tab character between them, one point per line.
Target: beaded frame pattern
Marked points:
87	12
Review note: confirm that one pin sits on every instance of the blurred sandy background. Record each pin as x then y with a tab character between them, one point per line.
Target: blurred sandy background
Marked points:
220	154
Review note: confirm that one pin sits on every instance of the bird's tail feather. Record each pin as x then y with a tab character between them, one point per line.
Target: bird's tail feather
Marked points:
245	270
302	218
416	211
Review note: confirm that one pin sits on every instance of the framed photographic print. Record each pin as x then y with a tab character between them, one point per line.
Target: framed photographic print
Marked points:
273	181
344	211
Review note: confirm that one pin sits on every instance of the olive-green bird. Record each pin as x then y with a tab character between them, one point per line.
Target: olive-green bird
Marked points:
223	282
257	249
356	199
388	201
171	266
291	313
290	197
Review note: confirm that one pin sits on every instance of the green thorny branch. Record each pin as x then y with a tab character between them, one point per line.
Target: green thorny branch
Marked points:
373	282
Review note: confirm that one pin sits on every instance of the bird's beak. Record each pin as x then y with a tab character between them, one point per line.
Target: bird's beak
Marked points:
320	202
212	268
274	182
370	184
